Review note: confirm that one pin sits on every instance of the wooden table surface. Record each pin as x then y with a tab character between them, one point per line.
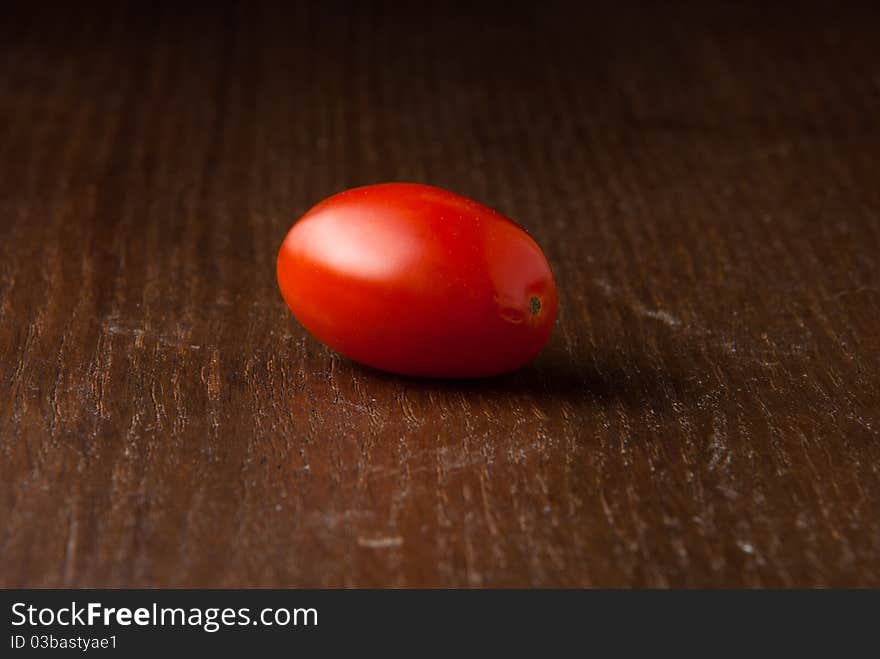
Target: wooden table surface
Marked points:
705	181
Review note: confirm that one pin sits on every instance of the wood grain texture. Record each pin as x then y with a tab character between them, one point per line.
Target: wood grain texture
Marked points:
703	178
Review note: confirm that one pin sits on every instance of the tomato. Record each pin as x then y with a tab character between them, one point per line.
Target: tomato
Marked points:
417	280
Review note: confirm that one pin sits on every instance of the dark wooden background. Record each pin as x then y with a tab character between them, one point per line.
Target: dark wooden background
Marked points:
704	178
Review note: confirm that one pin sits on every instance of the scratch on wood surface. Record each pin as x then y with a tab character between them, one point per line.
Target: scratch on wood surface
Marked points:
380	542
99	382
140	334
719	451
657	314
487	506
213	378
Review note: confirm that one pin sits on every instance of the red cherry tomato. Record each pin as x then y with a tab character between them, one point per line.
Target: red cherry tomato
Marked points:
417	280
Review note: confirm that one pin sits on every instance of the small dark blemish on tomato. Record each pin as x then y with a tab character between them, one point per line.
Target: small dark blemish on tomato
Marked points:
535	306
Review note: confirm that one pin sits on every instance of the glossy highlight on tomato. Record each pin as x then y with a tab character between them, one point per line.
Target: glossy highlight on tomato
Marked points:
417	280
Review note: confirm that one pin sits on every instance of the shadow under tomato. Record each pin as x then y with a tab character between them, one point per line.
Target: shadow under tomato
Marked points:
603	380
